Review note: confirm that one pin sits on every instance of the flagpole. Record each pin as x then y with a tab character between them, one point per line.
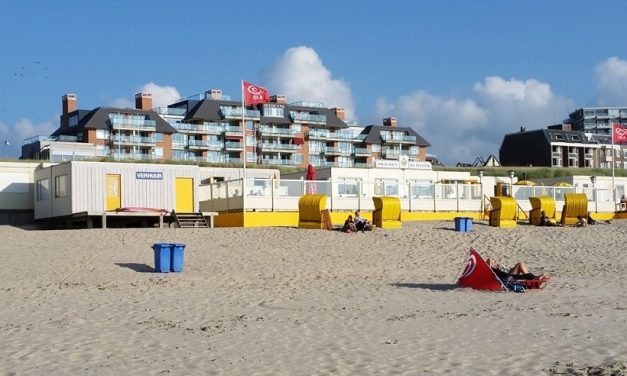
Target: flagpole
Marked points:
244	130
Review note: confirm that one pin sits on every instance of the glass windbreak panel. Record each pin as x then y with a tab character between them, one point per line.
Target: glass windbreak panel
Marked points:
421	189
235	188
348	187
289	188
561	191
319	187
522	192
43	190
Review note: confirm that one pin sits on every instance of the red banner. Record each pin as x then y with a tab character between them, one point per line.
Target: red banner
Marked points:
254	94
619	134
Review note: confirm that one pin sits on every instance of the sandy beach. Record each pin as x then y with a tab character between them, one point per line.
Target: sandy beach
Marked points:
284	301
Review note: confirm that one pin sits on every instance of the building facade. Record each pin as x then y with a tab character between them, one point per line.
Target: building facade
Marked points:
559	146
213	129
597	120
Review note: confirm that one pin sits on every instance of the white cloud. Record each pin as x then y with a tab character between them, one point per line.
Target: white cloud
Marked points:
460	130
22	129
161	96
611	82
299	74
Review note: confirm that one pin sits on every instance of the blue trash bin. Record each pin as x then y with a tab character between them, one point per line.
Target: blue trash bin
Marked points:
460	225
468	225
178	257
163	253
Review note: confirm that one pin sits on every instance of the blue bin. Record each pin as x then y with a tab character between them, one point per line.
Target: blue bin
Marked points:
163	252
460	224
178	257
468	223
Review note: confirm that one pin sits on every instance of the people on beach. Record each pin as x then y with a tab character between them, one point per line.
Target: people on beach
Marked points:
519	271
361	223
349	225
592	221
545	220
581	222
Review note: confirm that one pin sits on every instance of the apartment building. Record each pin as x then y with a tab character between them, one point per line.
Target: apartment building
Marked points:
120	133
560	146
597	119
211	128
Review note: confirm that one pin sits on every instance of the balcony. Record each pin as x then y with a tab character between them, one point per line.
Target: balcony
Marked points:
179	145
132	140
198	144
233	131
280	162
364	152
392	153
231	145
131	156
305	117
280	132
573	155
317	134
332	151
403	139
287	148
125	122
236	113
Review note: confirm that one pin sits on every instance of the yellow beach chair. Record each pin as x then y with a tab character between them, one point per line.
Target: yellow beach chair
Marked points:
310	211
575	204
503	213
387	212
541	204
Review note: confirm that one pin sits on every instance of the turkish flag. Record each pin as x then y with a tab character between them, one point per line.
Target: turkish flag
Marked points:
254	94
478	275
619	134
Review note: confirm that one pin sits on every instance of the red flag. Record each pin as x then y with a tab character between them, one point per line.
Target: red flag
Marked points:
254	94
619	134
478	275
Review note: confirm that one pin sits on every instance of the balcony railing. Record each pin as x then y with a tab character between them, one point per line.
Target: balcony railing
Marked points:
133	156
281	162
269	131
124	122
171	111
232	130
399	139
290	147
133	140
362	151
30	140
230	145
236	113
305	117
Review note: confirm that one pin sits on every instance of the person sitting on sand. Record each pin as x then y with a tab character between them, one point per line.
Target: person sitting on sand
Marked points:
545	220
361	223
592	221
349	225
519	271
581	222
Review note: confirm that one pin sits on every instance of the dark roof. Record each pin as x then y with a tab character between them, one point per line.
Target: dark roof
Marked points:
98	118
559	135
209	110
373	134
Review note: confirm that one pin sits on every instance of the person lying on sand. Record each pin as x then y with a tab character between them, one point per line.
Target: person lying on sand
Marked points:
545	220
519	271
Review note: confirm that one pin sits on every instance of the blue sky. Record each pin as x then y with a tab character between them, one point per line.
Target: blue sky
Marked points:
462	73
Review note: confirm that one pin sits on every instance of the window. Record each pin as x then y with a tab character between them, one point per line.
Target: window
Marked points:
73	121
386	187
43	190
273	110
376	148
559	137
60	186
576	138
102	134
157	152
297	128
158	137
249	125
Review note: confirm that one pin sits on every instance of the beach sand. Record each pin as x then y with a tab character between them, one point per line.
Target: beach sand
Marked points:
285	301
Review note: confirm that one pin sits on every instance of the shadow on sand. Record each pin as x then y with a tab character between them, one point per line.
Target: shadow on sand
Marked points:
140	268
426	286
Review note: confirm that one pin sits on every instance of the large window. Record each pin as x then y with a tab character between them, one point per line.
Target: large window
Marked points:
102	134
43	190
158	136
157	152
60	186
272	110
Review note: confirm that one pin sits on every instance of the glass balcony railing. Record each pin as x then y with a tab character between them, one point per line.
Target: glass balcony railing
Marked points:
171	111
362	151
30	140
126	122
233	129
133	156
233	145
119	139
269	146
236	112
306	117
199	143
277	131
399	138
280	162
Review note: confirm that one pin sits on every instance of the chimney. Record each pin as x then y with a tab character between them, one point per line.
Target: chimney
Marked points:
523	129
68	105
143	101
279	99
389	122
213	94
340	113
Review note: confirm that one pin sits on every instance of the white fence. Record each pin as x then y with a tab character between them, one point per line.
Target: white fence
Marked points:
350	195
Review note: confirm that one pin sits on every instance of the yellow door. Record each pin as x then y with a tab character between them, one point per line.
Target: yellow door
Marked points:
114	195
184	191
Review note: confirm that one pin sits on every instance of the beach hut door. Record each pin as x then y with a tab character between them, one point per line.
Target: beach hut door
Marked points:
114	197
184	195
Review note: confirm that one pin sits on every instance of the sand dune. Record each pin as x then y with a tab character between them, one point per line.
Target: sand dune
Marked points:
274	301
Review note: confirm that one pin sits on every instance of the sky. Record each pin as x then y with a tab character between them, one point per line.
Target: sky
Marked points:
461	73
